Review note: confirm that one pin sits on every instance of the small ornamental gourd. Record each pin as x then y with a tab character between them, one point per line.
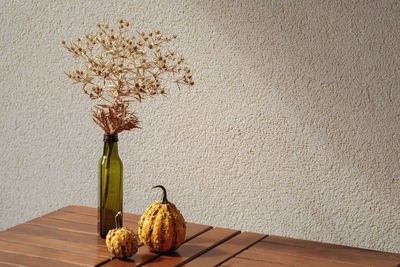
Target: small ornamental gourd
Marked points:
121	242
162	227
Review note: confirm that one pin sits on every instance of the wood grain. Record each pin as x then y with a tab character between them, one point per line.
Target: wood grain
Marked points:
288	250
50	253
25	260
226	250
93	212
80	209
65	225
5	264
337	249
55	243
246	262
59	234
72	217
243	262
194	248
273	259
194	229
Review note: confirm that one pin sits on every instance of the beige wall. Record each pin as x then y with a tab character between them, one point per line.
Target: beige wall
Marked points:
292	128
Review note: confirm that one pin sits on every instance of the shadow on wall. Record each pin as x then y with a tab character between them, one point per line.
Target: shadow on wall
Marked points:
334	71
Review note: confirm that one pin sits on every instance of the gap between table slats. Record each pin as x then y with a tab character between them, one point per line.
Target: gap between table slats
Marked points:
188	250
227	250
144	255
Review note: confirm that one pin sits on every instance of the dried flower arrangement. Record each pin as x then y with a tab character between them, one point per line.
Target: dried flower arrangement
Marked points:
120	68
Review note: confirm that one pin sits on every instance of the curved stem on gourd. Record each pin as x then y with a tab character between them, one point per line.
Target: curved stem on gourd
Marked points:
165	200
118	220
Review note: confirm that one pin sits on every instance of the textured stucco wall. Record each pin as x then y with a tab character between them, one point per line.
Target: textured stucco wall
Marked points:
292	128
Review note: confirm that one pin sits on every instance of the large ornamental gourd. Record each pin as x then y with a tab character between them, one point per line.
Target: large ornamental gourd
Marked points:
162	227
122	241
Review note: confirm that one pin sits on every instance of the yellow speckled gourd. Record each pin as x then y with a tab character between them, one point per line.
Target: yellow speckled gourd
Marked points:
162	227
121	242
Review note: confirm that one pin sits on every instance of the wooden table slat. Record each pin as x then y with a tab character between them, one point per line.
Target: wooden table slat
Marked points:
226	250
25	260
286	250
55	243
59	234
340	250
50	253
245	262
73	217
248	262
65	225
194	248
73	225
80	209
287	260
93	212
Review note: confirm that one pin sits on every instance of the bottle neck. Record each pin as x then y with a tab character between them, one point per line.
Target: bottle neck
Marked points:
108	138
110	145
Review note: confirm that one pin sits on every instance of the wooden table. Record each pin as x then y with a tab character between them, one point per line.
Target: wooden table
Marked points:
68	237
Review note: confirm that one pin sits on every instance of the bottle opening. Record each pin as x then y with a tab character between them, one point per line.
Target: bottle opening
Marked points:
110	138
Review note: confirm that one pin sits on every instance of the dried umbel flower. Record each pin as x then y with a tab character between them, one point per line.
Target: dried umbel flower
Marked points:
120	67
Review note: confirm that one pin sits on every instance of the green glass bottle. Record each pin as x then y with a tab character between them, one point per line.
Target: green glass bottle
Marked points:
110	185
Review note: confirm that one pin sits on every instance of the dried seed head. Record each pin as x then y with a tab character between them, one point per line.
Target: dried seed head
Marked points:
119	70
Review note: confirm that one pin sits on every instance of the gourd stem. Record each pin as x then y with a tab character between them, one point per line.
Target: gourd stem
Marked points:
164	200
118	220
